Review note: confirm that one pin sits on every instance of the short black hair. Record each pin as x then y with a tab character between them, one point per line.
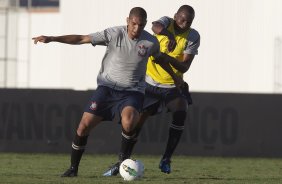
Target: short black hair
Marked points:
186	8
138	11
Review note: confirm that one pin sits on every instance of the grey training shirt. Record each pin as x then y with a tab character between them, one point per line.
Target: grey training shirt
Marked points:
124	63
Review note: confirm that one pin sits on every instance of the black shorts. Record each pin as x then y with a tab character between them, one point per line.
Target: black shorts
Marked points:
157	97
108	103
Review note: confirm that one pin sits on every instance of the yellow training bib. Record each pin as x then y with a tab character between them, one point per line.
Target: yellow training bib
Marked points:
155	71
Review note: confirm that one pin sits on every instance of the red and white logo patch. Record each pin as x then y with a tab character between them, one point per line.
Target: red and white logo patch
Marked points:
142	50
93	106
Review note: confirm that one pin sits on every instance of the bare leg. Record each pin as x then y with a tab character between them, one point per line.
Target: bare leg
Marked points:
87	122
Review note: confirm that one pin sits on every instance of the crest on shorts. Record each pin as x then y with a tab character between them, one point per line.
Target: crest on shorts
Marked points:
93	106
142	50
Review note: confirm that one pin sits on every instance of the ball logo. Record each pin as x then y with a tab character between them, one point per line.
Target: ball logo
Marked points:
142	50
93	106
130	171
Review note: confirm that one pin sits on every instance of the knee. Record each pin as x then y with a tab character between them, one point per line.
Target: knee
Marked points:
129	120
128	124
179	118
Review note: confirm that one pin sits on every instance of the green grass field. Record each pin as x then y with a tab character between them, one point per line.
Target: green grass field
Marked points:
46	169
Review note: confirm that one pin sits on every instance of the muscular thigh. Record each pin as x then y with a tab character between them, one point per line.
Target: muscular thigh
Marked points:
130	110
177	104
175	100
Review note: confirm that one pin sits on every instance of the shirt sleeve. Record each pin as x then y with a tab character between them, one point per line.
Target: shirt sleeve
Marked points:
193	43
102	37
164	21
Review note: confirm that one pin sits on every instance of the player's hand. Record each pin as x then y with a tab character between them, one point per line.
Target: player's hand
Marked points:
178	81
171	44
43	39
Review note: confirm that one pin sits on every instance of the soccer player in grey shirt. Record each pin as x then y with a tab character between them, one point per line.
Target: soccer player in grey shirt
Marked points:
121	80
180	41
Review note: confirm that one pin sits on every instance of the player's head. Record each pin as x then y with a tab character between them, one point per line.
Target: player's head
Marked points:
136	22
184	18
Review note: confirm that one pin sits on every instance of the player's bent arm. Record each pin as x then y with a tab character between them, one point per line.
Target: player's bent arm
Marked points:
157	27
68	39
160	29
165	65
181	66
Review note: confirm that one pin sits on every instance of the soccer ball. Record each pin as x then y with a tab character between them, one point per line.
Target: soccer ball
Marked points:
131	169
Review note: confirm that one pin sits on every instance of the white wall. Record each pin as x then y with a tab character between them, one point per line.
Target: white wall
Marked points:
236	52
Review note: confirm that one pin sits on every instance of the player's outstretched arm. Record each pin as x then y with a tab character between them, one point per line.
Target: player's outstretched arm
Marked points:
68	39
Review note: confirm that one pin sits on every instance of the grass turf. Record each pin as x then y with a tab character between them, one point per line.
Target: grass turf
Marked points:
46	169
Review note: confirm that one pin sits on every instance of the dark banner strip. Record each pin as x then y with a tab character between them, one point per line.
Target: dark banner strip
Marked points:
218	124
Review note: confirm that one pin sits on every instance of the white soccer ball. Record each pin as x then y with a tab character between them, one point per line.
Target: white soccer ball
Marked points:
131	169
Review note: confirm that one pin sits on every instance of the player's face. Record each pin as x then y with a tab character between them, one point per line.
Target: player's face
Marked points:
135	25
183	21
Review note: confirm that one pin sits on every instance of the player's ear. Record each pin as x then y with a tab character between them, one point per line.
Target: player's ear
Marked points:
127	20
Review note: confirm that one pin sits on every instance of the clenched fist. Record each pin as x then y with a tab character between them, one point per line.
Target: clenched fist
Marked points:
43	39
